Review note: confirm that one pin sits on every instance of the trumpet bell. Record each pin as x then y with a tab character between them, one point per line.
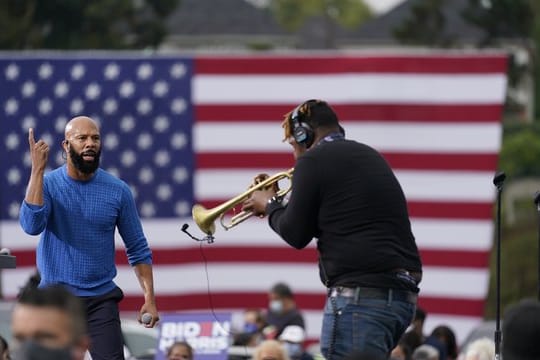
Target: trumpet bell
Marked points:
203	220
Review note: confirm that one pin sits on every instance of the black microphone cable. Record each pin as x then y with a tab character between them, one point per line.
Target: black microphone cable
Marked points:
210	240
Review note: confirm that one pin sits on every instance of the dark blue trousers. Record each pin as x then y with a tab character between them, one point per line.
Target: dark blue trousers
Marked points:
106	340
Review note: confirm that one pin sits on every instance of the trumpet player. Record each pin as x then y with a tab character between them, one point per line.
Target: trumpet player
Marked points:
345	195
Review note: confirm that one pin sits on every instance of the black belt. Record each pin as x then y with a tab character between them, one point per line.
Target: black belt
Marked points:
373	293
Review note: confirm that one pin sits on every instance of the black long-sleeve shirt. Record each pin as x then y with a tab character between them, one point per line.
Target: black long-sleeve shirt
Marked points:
345	194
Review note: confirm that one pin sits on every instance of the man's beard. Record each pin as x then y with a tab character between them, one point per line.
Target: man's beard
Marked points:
86	167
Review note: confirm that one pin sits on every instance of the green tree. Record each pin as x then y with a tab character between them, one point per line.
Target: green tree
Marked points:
80	24
500	19
292	14
424	26
520	153
504	20
519	159
535	36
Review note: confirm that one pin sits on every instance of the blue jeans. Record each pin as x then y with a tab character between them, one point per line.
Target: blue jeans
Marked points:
366	325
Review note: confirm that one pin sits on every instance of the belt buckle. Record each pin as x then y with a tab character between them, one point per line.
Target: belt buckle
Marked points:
335	291
342	291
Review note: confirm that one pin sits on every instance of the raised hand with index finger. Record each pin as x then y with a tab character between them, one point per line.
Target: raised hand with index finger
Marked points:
39	151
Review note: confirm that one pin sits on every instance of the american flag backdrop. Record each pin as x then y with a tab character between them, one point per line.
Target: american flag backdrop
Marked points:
186	129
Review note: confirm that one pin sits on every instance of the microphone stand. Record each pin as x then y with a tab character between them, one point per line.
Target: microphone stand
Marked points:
208	238
498	182
537	202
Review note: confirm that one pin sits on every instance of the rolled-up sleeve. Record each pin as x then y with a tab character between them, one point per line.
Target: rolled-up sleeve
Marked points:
33	218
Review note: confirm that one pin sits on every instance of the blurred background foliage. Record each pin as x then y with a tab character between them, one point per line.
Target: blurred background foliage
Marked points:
291	14
80	24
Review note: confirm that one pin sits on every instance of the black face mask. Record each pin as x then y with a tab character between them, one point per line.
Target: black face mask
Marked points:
31	350
86	167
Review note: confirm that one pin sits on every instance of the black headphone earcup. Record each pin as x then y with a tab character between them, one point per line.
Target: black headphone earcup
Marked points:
303	134
300	134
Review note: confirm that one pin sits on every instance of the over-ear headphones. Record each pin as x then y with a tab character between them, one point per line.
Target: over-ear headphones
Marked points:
302	132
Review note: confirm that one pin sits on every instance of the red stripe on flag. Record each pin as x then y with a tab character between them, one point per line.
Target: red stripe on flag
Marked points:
220	300
235	160
272	254
450	210
423	161
455	113
455	258
452	306
298	65
409	161
242	300
424	209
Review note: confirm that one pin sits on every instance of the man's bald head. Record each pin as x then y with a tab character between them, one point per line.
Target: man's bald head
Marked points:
82	145
77	123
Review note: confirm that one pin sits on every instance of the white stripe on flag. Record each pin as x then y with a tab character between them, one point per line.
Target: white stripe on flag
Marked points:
385	136
259	277
350	87
440	234
447	186
453	234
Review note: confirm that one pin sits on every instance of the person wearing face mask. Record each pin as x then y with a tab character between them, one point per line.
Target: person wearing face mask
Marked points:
292	338
282	311
249	336
77	209
49	324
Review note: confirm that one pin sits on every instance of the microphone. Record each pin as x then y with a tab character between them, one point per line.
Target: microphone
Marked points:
499	179
146	318
208	238
537	200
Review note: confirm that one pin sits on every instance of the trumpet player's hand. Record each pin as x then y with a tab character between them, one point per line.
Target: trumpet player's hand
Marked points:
258	200
262	177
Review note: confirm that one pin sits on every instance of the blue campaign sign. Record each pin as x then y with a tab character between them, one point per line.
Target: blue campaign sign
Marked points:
207	333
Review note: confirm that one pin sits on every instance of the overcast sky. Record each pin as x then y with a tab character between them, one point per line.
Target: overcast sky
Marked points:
378	6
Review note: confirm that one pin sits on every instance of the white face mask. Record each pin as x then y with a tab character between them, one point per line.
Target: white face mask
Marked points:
276	306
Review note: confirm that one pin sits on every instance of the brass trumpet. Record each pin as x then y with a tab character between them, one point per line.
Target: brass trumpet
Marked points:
204	218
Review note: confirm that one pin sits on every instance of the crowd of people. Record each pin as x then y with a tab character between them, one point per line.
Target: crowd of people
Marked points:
50	323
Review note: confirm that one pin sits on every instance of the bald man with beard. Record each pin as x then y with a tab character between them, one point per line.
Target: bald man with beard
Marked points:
77	208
